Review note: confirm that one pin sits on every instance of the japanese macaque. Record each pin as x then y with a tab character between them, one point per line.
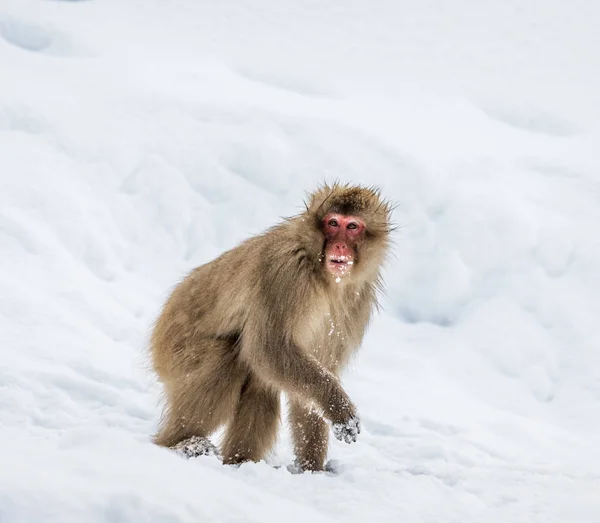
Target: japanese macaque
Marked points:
281	312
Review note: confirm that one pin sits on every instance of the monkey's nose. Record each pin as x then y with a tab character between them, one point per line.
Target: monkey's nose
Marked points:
342	249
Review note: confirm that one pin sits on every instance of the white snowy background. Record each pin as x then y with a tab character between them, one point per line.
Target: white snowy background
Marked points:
140	138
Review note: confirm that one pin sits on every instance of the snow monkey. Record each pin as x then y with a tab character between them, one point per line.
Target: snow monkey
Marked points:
281	312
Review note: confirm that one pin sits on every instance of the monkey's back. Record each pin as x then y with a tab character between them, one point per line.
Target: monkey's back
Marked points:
209	303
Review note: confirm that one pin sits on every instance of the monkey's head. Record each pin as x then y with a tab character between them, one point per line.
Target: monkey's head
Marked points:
352	224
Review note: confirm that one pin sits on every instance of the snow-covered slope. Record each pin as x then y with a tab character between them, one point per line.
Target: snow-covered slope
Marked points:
139	138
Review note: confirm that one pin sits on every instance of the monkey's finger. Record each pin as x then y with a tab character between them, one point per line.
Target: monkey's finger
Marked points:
350	437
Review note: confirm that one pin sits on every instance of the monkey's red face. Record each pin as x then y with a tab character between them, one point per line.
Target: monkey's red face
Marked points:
342	233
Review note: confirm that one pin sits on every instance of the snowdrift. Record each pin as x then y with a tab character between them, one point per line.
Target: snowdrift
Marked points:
139	139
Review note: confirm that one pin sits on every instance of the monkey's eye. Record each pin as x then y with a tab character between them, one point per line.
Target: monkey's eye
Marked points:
333	223
352	225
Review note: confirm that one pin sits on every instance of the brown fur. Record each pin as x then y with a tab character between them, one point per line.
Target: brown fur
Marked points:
266	317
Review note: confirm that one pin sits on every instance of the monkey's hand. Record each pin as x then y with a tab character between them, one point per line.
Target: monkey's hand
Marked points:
348	430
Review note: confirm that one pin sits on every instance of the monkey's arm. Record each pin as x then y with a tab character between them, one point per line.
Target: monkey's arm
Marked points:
281	363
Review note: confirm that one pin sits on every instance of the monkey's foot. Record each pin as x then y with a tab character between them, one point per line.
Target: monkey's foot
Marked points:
332	468
347	431
194	447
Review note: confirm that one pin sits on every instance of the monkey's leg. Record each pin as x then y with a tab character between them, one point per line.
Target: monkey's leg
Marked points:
310	434
198	403
253	429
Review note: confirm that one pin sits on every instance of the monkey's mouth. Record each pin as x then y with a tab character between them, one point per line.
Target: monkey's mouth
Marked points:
340	265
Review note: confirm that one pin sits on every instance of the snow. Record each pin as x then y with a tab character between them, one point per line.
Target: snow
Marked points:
139	139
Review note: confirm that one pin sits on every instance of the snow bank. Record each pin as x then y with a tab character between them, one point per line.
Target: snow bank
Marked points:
141	138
